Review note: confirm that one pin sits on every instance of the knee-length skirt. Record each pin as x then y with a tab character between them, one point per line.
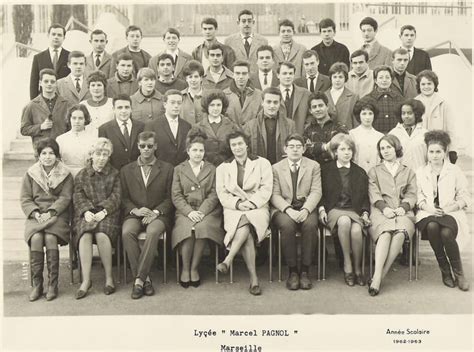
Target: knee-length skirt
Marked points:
381	224
445	221
334	215
59	227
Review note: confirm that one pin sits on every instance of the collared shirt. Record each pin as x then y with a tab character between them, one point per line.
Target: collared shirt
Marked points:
173	123
410	52
286	49
145	168
261	78
194	95
122	127
216	75
392	167
249	38
50	102
51	53
400	78
361	85
339	164
197	169
308	80
368	46
298	164
214	120
283	91
101	56
74	80
174	54
336	94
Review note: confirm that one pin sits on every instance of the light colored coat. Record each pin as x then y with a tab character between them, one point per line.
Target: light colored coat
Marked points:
225	79
308	185
366	154
295	57
107	65
242	114
236	42
452	187
379	55
342	110
257	188
183	58
362	85
67	89
414	147
191	110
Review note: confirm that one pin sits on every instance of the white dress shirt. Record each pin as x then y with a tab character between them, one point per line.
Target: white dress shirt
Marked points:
336	94
308	81
122	127
173	123
261	78
283	91
51	53
298	164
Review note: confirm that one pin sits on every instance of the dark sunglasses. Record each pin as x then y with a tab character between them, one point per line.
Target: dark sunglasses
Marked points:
143	146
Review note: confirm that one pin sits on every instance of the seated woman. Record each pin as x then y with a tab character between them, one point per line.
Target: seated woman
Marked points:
97	196
411	133
99	105
216	126
345	204
191	109
392	192
198	212
244	187
46	193
76	143
365	136
443	194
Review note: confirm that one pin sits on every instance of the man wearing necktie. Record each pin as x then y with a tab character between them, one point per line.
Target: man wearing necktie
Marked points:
419	60
55	57
266	75
287	49
73	87
170	129
312	80
99	58
296	194
122	131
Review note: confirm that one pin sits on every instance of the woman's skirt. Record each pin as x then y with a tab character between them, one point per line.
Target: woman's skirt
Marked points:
444	221
334	215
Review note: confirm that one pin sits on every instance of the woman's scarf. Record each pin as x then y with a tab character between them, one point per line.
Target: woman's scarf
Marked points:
57	175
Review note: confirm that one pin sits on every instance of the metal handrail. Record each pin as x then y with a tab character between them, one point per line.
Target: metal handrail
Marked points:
72	21
18	45
393	18
452	45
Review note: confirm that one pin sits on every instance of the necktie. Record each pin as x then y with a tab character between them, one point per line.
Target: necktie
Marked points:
78	86
294	167
55	59
311	84
97	60
126	134
287	103
247	45
265	79
410	54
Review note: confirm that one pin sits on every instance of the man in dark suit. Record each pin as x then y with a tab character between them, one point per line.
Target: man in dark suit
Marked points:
122	132
419	59
265	77
314	81
171	130
146	203
55	57
295	99
99	59
141	58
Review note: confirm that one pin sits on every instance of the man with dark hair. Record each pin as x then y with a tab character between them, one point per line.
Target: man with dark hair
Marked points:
140	57
55	58
74	87
123	132
313	81
180	58
244	100
329	50
288	49
419	59
217	76
403	82
246	42
44	116
361	77
123	81
170	129
378	54
201	52
166	80
146	203
295	99
265	77
99	59
296	194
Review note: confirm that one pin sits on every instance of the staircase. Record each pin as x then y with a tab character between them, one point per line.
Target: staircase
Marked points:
21	148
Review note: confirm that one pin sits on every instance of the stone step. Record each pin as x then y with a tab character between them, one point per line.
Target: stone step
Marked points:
21	145
18	155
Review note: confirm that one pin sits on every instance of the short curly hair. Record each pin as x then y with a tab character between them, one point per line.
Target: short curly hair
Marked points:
417	107
365	104
215	94
430	76
394	142
438	137
47	143
195	135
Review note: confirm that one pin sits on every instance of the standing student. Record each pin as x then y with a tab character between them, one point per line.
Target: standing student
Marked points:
288	49
246	42
123	81
201	52
265	76
99	59
361	77
74	86
313	81
330	51
191	109
217	76
166	79
55	58
378	54
404	82
140	57
147	102
172	38
419	59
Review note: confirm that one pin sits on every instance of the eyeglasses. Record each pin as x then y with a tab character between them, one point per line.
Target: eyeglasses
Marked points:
143	146
294	146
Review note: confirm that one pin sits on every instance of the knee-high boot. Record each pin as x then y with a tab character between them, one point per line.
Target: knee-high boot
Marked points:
52	259
37	266
445	271
462	283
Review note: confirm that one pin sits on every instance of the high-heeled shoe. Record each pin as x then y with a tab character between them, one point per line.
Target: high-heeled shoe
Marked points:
349	279
195	283
372	291
184	284
81	293
223	268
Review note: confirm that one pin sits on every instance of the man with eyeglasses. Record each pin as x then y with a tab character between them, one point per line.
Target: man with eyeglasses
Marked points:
146	203
123	132
296	194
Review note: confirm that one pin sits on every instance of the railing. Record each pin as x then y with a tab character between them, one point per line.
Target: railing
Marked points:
452	47
72	21
16	48
391	19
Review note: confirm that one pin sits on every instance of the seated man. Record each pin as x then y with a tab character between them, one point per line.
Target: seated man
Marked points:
73	87
123	81
146	203
296	194
44	115
147	102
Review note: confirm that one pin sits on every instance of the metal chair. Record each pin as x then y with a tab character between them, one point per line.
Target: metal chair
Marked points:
141	238
216	258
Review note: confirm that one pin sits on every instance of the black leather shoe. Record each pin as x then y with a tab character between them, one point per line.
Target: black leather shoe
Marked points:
148	289
349	279
293	281
359	280
223	268
255	290
373	291
184	284
305	281
108	290
137	291
195	283
81	294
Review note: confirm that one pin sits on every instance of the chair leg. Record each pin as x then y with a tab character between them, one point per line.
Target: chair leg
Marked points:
177	264
324	255
217	262
270	256
30	273
417	252
124	265
410	261
371	249
71	254
118	252
319	253
164	258
232	273
279	256
364	243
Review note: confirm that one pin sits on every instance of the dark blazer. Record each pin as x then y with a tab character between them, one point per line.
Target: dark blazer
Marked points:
254	81
323	83
183	58
156	194
419	61
332	186
169	149
299	107
43	60
107	65
122	153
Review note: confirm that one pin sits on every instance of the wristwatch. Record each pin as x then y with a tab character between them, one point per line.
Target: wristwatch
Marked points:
157	212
